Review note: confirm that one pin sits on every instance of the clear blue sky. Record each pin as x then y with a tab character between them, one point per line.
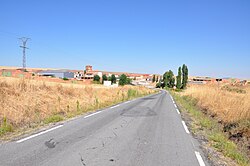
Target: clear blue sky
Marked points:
212	37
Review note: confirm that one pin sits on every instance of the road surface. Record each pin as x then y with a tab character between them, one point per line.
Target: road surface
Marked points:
147	131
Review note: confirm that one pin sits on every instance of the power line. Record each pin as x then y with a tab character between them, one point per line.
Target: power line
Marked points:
24	41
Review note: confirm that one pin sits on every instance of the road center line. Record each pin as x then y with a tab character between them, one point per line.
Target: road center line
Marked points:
35	135
92	114
177	111
199	158
185	127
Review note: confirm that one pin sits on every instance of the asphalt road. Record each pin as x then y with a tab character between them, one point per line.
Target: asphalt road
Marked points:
144	132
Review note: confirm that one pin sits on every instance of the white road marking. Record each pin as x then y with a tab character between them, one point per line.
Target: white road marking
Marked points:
115	106
92	114
126	102
35	135
175	105
177	111
185	127
199	158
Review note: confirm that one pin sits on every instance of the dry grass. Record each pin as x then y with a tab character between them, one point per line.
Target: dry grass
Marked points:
26	103
228	104
222	114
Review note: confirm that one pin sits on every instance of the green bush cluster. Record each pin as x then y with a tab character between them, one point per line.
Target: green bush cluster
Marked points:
53	119
5	127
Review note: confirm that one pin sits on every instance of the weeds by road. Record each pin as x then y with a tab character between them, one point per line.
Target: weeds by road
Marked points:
205	105
27	103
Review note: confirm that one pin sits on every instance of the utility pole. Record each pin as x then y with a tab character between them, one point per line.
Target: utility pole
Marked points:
24	41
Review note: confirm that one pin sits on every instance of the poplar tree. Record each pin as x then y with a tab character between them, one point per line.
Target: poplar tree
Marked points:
179	84
184	76
153	80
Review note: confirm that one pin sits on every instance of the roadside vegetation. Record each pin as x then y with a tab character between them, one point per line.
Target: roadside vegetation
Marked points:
222	116
27	103
219	114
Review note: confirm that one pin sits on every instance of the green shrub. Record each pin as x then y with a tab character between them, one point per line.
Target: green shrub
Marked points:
5	127
96	78
53	119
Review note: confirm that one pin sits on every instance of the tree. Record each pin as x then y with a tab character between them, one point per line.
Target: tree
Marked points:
104	78
158	85
153	80
157	79
97	78
123	80
168	79
113	79
179	84
128	80
184	76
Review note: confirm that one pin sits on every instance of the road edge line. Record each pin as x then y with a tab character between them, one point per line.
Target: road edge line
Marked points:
199	158
185	127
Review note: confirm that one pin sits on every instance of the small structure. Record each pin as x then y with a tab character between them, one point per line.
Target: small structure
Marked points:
78	75
56	73
107	83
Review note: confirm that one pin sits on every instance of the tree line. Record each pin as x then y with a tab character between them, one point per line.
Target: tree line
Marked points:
123	79
168	79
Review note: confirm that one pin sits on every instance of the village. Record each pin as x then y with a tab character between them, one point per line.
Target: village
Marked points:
86	76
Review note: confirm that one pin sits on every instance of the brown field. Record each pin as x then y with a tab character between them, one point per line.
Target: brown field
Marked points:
26	103
221	114
228	104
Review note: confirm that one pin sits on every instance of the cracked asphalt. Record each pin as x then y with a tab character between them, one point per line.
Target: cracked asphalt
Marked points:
143	132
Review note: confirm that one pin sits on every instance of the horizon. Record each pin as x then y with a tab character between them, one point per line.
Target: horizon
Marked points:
211	37
51	68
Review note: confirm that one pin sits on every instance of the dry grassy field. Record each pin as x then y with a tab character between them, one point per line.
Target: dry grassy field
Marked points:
26	103
229	107
229	104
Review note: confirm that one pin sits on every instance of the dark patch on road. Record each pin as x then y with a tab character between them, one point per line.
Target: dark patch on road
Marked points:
92	148
138	111
148	98
82	161
114	133
50	144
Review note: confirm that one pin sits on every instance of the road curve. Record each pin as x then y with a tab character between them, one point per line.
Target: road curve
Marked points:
147	131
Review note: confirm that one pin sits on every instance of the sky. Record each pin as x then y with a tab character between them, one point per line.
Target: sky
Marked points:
212	37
